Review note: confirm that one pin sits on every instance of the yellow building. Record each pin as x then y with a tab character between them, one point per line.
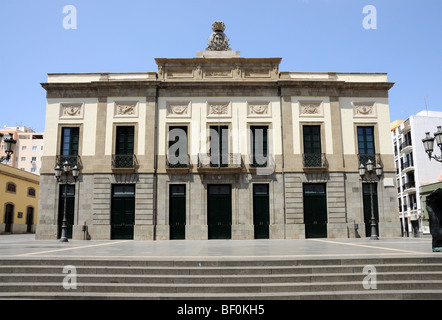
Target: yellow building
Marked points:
18	200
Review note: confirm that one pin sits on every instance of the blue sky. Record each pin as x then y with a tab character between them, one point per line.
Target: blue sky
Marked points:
310	35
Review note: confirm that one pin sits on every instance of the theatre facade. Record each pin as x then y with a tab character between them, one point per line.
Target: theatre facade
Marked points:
217	146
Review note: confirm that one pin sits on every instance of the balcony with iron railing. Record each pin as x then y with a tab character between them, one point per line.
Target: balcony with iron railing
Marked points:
262	165
407	166
178	164
73	160
224	163
410	186
124	162
314	162
406	147
374	157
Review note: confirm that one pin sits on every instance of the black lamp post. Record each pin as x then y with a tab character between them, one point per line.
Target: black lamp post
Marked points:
9	146
369	175
66	169
429	143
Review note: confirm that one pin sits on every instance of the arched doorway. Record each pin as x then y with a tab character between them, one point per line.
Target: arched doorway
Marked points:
9	217
29	219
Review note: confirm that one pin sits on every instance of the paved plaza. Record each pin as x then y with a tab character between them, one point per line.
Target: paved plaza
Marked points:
25	246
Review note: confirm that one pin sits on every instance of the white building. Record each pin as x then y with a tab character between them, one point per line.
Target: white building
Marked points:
414	169
28	151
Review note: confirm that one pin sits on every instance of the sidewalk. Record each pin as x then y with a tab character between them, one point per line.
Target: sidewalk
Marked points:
25	246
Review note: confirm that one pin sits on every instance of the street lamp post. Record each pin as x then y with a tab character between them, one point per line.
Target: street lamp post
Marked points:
66	169
428	142
369	175
9	146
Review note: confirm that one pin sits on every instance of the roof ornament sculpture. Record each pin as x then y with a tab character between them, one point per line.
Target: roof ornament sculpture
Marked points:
218	41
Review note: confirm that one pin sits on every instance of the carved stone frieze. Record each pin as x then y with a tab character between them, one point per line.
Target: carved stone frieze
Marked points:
257	73
178	109
221	73
259	109
180	73
72	110
218	109
311	108
364	109
126	109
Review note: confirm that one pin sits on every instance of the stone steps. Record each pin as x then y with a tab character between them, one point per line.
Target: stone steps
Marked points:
396	278
217	279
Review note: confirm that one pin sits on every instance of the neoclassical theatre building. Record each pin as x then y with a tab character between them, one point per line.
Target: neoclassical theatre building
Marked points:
217	146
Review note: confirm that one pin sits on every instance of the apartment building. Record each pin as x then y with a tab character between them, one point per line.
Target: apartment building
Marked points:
414	169
28	151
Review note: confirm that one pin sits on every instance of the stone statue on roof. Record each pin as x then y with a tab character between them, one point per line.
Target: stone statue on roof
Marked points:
218	41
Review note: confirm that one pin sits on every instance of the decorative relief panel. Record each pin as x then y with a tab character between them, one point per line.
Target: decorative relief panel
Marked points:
178	109
311	109
180	73
127	109
259	109
219	73
72	110
364	109
218	109
257	73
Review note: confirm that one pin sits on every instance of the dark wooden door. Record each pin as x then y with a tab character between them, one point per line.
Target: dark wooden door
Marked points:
219	211
9	217
123	212
29	219
261	211
177	211
315	210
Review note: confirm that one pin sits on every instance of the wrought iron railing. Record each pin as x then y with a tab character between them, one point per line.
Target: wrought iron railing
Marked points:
314	160
123	161
405	144
262	166
407	164
261	161
178	162
224	160
374	157
409	185
72	160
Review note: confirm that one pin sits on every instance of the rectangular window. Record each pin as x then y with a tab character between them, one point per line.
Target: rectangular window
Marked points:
23	159
34	148
259	145
366	140
177	147
69	141
219	146
125	140
366	148
124	147
312	146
